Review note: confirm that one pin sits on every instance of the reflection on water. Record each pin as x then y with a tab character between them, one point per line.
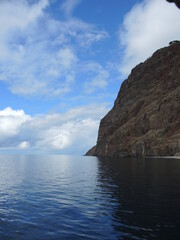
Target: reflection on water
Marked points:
62	197
144	196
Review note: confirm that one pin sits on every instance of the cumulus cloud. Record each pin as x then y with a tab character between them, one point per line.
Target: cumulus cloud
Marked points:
72	132
39	55
150	25
11	122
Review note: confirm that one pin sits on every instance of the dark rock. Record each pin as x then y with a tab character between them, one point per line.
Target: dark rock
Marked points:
177	2
145	118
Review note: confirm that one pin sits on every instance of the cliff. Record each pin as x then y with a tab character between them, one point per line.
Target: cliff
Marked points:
145	118
177	2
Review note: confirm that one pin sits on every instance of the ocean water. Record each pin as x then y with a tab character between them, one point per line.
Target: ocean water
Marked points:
63	197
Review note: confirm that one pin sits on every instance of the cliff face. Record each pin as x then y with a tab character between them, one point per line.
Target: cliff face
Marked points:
145	118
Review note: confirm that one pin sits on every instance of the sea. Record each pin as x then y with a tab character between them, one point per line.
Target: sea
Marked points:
76	197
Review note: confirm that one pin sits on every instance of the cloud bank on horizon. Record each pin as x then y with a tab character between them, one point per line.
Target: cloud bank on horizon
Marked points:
45	56
71	132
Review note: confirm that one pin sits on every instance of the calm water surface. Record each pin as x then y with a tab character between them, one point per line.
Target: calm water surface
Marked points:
62	197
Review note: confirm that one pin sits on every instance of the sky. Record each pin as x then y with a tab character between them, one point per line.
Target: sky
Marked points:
62	63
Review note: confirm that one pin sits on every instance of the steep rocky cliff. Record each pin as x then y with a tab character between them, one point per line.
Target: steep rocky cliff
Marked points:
145	118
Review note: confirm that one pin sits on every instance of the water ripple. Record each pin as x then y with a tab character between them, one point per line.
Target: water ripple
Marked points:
60	197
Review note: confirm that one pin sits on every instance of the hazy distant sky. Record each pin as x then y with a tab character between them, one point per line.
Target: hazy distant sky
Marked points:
62	64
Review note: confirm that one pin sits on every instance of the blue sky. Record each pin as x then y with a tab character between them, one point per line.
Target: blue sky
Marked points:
62	63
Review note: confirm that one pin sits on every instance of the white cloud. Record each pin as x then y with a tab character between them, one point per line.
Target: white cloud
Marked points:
150	25
38	54
83	34
66	57
10	123
24	145
72	132
98	77
69	5
17	14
